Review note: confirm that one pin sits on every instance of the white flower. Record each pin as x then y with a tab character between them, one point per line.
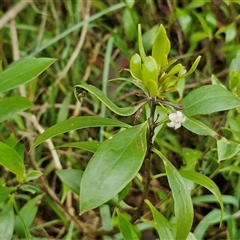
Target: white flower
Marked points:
176	120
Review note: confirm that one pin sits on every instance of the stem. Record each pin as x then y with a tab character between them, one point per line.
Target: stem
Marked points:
148	158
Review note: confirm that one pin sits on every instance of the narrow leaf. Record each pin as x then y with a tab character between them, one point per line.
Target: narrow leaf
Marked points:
23	71
112	167
126	111
182	200
207	183
208	99
76	123
127	229
7	221
28	213
4	192
198	127
13	105
165	229
11	160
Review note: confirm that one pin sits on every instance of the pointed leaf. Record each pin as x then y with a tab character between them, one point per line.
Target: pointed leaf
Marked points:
127	229
13	105
165	229
207	183
198	127
126	111
227	149
140	44
208	99
72	178
193	68
28	213
23	71
11	160
76	123
112	167
182	200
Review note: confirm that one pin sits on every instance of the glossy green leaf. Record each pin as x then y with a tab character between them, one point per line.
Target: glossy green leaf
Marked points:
33	174
182	200
208	99
126	111
207	183
135	66
72	178
28	213
166	230
127	229
193	67
140	44
227	149
161	48
76	123
7	221
112	167
90	146
198	127
23	71
149	70
13	105
11	160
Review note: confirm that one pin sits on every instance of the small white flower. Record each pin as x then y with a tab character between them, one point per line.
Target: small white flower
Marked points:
176	120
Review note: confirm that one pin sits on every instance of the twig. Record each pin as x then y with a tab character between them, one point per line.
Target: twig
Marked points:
33	119
13	12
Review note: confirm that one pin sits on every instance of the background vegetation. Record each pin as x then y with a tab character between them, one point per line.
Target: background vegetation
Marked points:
77	34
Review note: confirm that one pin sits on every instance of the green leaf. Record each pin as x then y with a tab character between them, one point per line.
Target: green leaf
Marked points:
235	63
165	229
7	221
72	178
161	48
129	23
4	192
193	67
112	167
140	44
76	123
13	105
227	149
207	183
11	160
126	111
127	229
33	174
182	200
23	71
28	213
135	66
208	99
198	127
90	146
